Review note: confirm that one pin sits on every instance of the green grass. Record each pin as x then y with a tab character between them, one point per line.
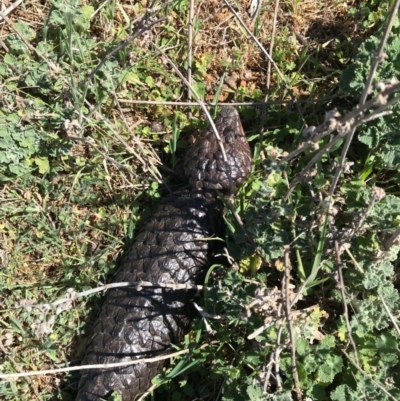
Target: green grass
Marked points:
81	168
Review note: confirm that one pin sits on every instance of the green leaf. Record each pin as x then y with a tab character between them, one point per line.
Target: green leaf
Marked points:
149	81
328	343
43	164
331	366
302	346
200	88
87	12
25	30
317	392
3	70
342	393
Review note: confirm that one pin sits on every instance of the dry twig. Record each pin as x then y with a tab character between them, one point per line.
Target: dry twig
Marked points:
269	58
356	365
343	293
65	303
144	25
343	125
267	86
378	57
190	48
213	104
388	311
295	373
10	8
274	362
204	108
98	366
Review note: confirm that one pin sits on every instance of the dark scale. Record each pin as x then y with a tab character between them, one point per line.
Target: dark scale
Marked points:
170	249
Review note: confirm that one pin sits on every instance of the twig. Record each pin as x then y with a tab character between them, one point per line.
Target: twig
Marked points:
199	101
98	366
274	361
391	317
147	392
343	125
206	112
388	244
367	88
10	8
207	315
190	49
72	295
17	367
350	255
290	325
213	104
345	309
51	65
367	375
261	47
143	25
258	331
267	85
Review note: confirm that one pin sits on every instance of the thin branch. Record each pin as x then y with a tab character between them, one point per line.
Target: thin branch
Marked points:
343	124
269	58
207	315
199	101
10	8
213	104
369	377
17	367
388	311
143	26
206	112
374	66
345	309
264	327
138	285
290	325
98	366
350	255
271	47
274	361
267	85
190	48
389	243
